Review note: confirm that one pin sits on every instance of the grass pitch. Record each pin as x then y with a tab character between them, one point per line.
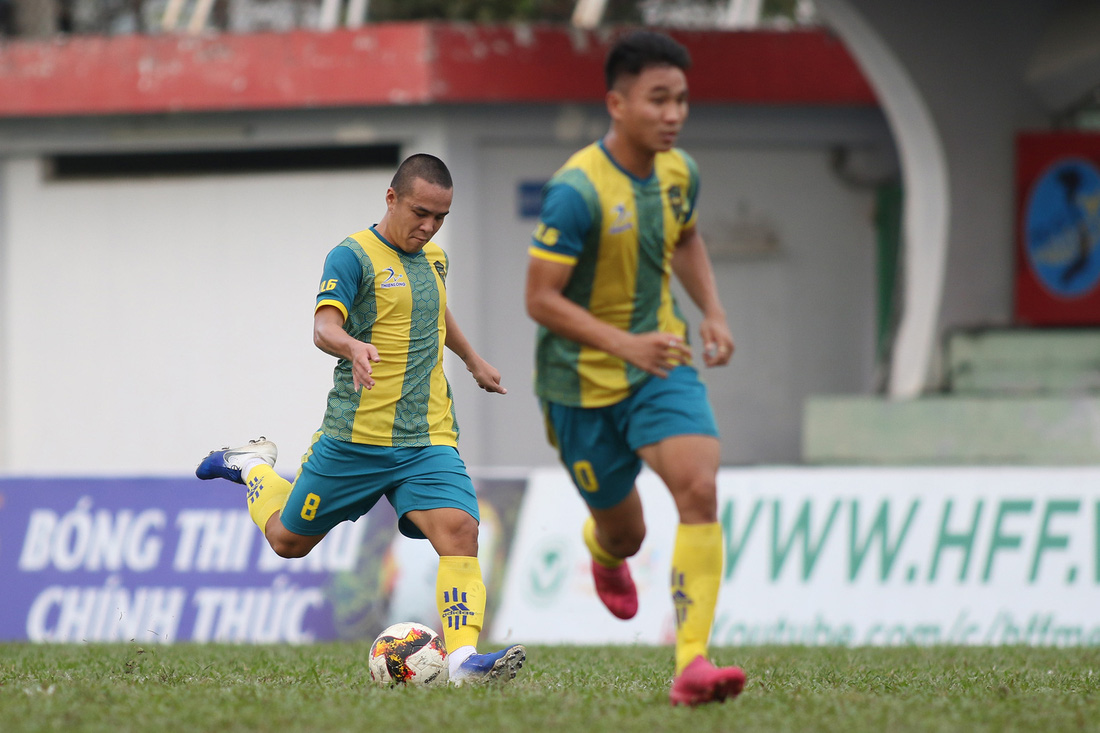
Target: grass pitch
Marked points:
326	687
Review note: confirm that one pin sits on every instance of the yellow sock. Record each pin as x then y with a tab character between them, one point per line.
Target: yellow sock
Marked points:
696	576
600	555
460	597
267	494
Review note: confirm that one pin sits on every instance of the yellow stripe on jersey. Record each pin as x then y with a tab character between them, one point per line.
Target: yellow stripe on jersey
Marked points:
552	256
616	273
390	335
335	304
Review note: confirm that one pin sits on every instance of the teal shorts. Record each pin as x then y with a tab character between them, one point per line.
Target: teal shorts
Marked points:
599	445
341	481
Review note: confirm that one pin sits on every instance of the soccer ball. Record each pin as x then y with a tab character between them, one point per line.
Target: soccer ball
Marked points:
408	653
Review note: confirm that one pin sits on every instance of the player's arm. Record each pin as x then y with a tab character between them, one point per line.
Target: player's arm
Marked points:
340	281
484	373
654	352
692	267
330	337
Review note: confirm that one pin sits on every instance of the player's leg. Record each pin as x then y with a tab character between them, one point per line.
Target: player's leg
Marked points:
685	464
673	430
436	501
286	543
336	481
253	465
688	464
612	535
603	468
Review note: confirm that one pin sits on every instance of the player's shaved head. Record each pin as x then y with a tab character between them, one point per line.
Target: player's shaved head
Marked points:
421	166
636	51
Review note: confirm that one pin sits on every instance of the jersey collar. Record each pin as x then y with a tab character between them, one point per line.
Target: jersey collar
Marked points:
624	171
394	247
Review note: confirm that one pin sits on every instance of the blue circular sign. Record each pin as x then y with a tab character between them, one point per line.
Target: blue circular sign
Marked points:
1063	226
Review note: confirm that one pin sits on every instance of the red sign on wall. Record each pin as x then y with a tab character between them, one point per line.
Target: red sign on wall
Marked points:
1058	229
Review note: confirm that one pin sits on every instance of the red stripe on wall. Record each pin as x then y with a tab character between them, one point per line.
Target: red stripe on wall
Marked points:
400	63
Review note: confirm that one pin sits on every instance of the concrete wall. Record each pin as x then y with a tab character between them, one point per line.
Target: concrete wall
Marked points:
153	320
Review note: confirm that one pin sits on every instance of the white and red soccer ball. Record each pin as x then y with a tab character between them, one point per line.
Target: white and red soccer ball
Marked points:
408	653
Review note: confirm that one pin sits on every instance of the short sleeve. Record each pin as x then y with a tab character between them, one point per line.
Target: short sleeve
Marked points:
564	222
341	280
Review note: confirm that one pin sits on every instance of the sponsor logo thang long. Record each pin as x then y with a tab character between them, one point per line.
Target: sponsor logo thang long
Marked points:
394	279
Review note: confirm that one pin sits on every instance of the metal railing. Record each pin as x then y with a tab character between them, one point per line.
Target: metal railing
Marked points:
49	18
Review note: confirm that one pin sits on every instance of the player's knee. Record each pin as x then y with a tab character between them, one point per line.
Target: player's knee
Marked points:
697	500
458	537
290	547
625	541
464	534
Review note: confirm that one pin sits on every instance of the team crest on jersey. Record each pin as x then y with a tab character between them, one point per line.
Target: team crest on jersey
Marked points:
441	270
393	279
676	202
622	221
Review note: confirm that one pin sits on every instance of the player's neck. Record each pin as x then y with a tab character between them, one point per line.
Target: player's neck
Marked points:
636	160
382	228
391	238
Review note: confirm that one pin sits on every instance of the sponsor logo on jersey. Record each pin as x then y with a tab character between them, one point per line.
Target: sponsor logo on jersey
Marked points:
622	221
393	279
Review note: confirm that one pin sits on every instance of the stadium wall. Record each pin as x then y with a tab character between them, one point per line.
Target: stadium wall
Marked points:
150	318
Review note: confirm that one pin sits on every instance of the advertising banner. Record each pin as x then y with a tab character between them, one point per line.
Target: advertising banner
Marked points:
844	556
167	560
1058	229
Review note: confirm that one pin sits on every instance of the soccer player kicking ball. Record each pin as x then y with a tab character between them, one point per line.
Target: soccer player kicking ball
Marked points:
389	428
613	366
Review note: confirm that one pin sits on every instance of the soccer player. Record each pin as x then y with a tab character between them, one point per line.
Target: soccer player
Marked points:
389	428
613	363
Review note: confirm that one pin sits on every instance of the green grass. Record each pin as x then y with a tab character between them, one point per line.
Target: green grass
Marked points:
325	687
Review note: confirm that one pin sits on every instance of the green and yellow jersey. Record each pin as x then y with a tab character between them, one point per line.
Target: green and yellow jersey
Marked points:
396	301
618	232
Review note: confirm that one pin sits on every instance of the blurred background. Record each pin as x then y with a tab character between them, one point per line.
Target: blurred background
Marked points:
36	18
190	164
175	171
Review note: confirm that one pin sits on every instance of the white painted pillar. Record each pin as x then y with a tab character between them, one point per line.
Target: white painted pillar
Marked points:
927	197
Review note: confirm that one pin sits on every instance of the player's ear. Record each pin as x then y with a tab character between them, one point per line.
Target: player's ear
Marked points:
615	101
391	197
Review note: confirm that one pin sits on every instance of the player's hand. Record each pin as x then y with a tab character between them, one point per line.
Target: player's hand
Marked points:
361	369
657	352
486	375
717	342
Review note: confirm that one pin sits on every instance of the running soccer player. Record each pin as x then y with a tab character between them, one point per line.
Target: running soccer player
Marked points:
613	364
389	428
